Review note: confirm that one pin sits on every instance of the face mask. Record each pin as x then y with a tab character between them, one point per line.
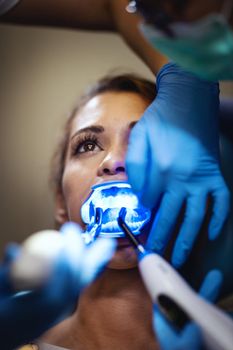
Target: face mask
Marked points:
204	47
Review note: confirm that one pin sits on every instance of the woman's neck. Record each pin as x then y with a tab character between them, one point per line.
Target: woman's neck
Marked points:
115	312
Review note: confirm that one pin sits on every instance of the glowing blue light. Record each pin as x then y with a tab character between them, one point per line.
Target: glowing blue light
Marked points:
111	197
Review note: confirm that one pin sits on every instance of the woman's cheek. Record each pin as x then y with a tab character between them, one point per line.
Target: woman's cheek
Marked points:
77	183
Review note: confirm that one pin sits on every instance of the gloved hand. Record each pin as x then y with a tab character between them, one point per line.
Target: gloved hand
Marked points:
173	156
190	338
26	315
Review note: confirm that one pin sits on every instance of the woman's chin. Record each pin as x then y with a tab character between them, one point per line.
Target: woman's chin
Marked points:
125	257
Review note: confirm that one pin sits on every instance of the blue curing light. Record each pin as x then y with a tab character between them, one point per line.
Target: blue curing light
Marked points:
108	199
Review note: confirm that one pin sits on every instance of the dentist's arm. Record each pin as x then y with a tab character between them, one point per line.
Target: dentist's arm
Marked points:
88	14
107	15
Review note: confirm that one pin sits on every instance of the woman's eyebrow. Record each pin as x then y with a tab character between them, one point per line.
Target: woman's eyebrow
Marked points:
93	128
96	129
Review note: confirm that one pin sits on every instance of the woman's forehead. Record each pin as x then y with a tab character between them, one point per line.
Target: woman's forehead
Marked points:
110	108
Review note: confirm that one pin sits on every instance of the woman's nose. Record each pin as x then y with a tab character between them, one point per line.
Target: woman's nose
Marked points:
112	164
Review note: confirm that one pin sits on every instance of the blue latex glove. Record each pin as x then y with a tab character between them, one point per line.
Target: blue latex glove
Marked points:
26	315
190	338
173	155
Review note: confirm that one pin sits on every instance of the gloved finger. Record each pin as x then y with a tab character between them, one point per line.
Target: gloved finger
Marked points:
10	254
71	228
65	275
154	184
73	244
211	285
194	215
221	206
170	339
162	227
191	338
137	157
166	334
158	168
96	257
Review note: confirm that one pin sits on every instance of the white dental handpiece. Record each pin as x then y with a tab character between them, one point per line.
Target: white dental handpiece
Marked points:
177	300
36	259
172	294
39	254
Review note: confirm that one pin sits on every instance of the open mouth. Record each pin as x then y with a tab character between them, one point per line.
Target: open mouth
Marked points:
110	198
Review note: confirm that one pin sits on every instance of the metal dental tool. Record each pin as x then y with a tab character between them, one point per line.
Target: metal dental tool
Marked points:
176	299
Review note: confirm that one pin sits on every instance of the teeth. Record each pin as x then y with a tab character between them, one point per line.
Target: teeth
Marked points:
110	198
110	227
113	226
118	196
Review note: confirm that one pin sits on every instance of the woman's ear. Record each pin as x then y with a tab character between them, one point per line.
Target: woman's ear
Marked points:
61	214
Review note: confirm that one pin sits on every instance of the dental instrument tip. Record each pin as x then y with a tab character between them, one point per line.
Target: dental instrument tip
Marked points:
125	228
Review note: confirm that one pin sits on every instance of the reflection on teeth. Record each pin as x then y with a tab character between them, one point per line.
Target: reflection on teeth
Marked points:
129	200
114	227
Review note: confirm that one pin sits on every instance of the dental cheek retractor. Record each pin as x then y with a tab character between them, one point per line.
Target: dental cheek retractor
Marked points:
177	300
101	209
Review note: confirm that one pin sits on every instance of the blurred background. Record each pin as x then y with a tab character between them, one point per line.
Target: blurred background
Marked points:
42	72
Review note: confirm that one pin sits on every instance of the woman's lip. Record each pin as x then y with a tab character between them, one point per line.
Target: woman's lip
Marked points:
122	242
123	246
112	179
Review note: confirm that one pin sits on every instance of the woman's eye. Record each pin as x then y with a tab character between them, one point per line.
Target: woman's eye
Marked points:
87	146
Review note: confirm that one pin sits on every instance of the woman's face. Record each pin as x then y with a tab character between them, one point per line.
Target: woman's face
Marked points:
96	154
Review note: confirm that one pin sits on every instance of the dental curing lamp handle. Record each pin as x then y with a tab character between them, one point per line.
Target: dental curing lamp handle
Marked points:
164	283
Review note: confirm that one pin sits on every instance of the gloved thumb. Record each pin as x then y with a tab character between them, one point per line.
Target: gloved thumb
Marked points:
96	258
